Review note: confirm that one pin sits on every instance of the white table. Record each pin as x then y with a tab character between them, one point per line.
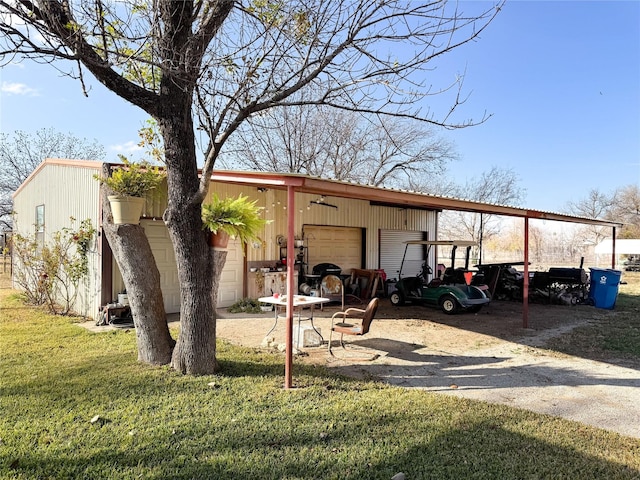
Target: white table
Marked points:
299	302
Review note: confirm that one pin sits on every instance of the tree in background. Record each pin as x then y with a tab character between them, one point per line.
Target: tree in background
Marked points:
498	186
219	63
625	208
346	146
595	205
623	205
22	152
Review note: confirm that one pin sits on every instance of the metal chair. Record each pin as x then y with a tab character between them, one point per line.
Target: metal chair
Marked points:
333	289
345	325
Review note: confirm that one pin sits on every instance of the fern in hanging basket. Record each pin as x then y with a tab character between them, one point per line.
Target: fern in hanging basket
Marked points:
238	217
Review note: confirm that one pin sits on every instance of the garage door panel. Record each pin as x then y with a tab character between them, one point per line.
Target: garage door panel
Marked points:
231	279
392	249
338	245
230	288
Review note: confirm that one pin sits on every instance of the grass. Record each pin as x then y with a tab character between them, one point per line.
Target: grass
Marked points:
616	335
153	423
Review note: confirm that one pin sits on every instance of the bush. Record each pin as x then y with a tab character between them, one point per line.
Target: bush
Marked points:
245	305
52	272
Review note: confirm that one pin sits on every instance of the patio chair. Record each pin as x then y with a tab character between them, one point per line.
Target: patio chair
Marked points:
333	289
344	324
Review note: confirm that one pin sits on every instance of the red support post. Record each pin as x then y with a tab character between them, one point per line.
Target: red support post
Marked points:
613	249
288	364
525	283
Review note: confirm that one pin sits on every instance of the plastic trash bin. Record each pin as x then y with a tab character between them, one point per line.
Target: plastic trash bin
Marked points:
603	289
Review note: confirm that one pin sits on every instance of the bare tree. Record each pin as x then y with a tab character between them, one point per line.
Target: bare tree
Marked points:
595	205
497	186
623	205
22	152
626	208
234	60
339	145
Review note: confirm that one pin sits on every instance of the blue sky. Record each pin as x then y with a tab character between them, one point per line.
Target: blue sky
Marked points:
561	79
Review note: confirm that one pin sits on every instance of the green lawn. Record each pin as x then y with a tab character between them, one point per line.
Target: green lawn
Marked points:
613	336
153	423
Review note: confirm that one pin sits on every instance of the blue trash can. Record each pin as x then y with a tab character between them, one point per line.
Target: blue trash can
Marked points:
603	289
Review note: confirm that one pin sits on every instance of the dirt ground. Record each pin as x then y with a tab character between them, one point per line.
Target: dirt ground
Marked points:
486	356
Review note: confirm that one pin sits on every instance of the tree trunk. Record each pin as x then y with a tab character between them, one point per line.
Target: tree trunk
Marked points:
219	259
195	350
133	254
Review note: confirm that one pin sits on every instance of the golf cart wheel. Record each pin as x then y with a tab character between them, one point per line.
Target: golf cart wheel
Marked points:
397	298
448	304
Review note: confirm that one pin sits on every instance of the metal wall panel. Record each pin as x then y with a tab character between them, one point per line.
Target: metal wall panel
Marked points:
65	191
392	250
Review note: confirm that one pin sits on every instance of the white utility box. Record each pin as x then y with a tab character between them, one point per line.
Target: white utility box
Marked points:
306	336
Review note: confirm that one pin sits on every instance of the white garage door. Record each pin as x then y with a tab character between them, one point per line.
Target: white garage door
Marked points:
230	289
392	249
341	246
162	249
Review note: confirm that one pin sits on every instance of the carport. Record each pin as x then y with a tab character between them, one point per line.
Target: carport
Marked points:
298	183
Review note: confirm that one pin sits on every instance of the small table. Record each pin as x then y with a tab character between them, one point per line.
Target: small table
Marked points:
299	302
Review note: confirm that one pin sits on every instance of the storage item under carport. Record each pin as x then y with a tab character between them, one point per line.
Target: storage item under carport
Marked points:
503	280
565	285
604	287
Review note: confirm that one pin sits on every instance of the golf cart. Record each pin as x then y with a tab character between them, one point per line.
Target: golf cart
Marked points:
457	290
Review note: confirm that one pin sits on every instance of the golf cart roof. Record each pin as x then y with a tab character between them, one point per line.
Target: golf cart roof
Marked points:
458	243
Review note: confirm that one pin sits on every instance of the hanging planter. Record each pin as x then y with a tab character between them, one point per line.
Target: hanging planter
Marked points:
232	217
220	239
126	210
130	185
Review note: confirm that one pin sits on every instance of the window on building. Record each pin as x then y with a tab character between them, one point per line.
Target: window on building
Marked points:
40	224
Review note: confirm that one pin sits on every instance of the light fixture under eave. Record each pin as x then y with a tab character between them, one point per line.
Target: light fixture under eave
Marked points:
321	201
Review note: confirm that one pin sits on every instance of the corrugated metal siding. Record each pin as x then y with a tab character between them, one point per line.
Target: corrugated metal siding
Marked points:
349	213
393	218
65	191
72	191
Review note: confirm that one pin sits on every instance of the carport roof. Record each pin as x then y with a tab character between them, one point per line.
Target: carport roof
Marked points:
379	195
391	197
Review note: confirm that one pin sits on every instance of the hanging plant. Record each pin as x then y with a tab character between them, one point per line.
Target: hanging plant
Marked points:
130	184
237	217
133	179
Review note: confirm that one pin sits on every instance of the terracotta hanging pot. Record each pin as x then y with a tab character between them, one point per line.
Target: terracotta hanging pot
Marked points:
219	239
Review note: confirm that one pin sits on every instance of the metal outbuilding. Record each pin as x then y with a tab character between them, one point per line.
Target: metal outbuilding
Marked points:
66	188
397	199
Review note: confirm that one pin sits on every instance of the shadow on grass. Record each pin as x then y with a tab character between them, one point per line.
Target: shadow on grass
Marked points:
365	446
